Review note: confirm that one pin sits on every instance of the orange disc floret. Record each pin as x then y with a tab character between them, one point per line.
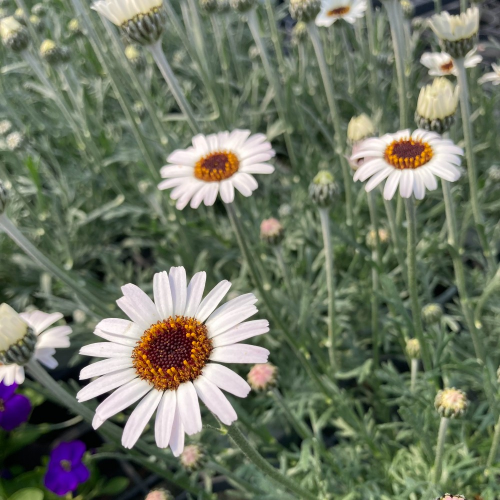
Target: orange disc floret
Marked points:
408	153
216	167
171	352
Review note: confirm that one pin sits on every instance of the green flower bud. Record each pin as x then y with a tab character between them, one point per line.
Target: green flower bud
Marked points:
413	348
432	313
13	34
451	403
243	5
323	189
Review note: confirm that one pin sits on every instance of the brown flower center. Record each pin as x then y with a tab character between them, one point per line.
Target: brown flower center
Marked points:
447	67
340	11
408	153
216	166
171	352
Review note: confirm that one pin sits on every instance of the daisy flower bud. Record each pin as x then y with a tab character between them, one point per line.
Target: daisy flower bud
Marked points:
323	189
371	240
74	27
20	16
37	23
432	313
413	348
4	197
39	9
191	457
242	5
436	107
135	57
53	53
159	495
451	403
5	127
408	8
359	128
13	34
305	10
223	6
457	34
271	231
15	141
299	33
262	377
209	6
449	496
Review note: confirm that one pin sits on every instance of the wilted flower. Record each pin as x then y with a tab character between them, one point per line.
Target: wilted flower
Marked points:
242	5
323	189
441	63
271	231
408	160
493	77
135	56
15	141
304	10
5	127
65	470
333	10
432	313
14	34
191	457
150	358
25	336
371	240
15	408
436	107
359	128
457	34
451	403
413	348
263	376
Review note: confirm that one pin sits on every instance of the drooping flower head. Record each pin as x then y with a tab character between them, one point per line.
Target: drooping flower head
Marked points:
333	10
408	160
15	408
441	63
66	470
493	77
304	10
216	163
457	34
451	403
272	231
25	336
168	354
13	34
142	21
263	376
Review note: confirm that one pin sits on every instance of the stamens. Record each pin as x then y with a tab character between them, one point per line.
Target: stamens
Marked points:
408	153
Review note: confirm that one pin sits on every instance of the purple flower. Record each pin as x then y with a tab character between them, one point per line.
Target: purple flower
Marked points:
14	408
66	470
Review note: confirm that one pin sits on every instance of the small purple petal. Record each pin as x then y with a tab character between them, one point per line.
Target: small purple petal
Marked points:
6	391
17	411
59	481
81	473
77	450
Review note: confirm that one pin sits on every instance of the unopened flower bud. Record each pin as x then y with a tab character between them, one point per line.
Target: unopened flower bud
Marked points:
39	9
299	33
20	16
14	35
53	53
135	56
494	173
243	5
5	127
449	496
262	377
74	27
359	128
4	197
432	313
37	23
223	6
451	403
271	231
159	495
413	348
15	141
139	108
408	8
192	457
209	6
323	189
371	237
305	10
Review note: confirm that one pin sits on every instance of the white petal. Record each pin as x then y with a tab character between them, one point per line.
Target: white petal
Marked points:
406	183
231	318
195	293
39	320
120	326
211	194
142	302
246	299
175	172
419	186
391	184
116	338
240	353
189	408
163	295
378	178
105	366
165	418
106	383
258	168
226	379
183	157
178	287
227	191
212	300
428	178
242	332
177	434
106	350
215	400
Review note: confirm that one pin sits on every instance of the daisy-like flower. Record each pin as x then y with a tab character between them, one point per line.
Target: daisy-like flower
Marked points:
493	77
333	10
14	35
168	354
408	160
25	336
217	162
441	63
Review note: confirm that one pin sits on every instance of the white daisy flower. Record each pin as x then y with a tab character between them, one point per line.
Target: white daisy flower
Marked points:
168	354
24	337
410	161
441	63
493	77
348	10
217	162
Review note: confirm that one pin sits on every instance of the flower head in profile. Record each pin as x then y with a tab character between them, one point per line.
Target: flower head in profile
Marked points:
333	10
411	161
216	163
167	356
26	336
14	35
441	63
493	77
14	408
65	470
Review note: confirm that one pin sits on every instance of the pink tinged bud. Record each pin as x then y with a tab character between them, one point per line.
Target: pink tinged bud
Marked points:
262	376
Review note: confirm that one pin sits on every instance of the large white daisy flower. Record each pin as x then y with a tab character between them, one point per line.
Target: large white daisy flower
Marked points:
168	354
493	77
454	28
217	162
408	160
121	11
441	63
25	336
348	10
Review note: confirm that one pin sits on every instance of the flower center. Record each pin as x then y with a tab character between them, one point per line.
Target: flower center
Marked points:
340	11
66	465
408	153
447	67
171	352
2	405
216	166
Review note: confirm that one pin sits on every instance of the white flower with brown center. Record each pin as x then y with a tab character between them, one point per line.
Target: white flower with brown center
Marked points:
24	337
441	63
493	77
333	10
167	356
216	163
411	161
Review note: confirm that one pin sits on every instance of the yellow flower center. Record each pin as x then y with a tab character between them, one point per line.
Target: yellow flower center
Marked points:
408	153
66	465
447	67
216	166
171	352
340	11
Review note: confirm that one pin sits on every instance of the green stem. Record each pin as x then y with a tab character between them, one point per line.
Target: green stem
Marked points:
300	428
463	5
438	463
438	7
412	282
494	447
264	466
489	290
29	249
395	236
348	59
324	214
275	37
278	252
414	373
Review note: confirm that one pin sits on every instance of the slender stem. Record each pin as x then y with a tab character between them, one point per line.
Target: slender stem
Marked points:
29	249
221	49
264	466
438	7
335	115
395	236
300	428
278	252
438	463
163	65
463	5
412	282
348	58
324	214
275	37
490	288
494	446
414	372
471	163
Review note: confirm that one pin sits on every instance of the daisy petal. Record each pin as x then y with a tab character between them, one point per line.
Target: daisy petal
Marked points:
165	418
189	408
240	353
227	380
215	400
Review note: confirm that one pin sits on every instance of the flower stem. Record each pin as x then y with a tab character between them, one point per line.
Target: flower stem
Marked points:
438	463
412	282
300	428
165	69
324	214
471	163
414	372
494	446
278	252
438	6
264	466
29	249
